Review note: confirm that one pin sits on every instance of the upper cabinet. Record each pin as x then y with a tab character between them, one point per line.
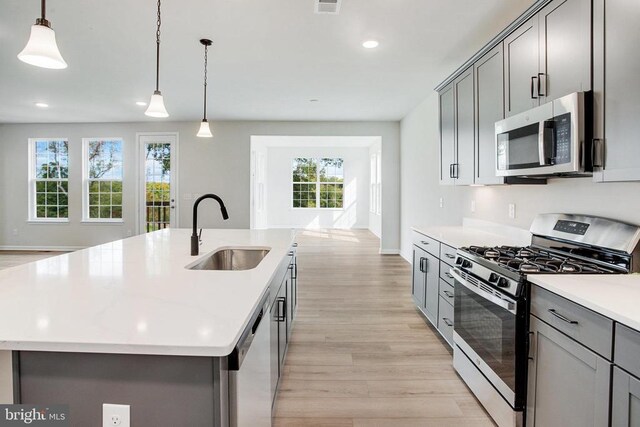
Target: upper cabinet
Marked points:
616	66
457	131
549	56
489	78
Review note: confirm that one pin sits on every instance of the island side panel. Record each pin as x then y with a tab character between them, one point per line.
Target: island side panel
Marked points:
162	390
7	377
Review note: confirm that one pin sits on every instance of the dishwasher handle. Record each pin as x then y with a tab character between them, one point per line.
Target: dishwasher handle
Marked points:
244	343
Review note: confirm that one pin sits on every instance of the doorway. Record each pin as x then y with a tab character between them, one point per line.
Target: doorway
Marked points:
158	181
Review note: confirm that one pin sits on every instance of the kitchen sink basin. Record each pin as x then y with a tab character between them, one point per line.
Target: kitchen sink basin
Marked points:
231	259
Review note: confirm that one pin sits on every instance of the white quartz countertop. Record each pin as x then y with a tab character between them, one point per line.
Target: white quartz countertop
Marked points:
460	236
136	296
616	296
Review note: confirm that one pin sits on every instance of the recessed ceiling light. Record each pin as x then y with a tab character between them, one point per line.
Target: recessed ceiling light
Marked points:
141	103
370	44
41	105
313	100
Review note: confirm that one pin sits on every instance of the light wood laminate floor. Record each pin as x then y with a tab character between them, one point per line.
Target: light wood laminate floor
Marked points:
360	354
14	258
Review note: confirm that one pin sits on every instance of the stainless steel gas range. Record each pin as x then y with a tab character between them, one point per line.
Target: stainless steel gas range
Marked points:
492	299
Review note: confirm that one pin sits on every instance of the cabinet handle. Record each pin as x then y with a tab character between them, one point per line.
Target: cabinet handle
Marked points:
423	268
456	169
561	317
282	315
449	275
597	153
424	242
447	321
532	87
540	75
448	294
451	170
450	257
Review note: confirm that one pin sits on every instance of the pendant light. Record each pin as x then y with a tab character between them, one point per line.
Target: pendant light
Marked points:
41	49
156	105
205	131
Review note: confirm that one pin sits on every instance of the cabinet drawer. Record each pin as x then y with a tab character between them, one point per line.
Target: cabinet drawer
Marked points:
427	243
445	320
448	254
445	274
446	291
627	349
583	325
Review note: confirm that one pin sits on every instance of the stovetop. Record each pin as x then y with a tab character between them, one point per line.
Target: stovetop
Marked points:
532	260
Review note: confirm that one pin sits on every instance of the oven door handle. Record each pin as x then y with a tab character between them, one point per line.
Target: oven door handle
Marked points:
508	305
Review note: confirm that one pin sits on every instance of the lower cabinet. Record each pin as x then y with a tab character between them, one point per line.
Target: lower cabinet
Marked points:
625	405
445	320
568	384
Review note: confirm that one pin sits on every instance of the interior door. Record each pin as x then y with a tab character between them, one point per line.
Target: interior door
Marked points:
521	53
158	207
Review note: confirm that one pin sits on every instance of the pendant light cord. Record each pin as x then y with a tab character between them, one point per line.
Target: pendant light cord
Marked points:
205	81
42	9
157	50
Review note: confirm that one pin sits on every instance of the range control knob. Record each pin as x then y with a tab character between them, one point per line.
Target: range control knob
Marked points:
466	263
459	261
493	277
503	283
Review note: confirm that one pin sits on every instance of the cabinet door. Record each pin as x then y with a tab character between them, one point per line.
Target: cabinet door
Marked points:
419	276
447	135
465	130
290	295
275	359
281	309
618	66
432	288
568	384
521	68
489	76
565	48
625	407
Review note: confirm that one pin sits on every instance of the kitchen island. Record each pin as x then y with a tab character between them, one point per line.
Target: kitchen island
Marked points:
128	322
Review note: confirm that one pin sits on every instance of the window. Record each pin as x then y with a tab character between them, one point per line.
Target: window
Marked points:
49	180
318	183
375	184
102	179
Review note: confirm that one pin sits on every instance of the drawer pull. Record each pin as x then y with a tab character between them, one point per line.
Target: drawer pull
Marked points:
561	317
423	242
449	294
450	256
447	321
449	275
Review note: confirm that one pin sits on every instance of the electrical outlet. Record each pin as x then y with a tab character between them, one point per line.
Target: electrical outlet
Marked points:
441	202
129	233
473	206
512	210
115	415
15	232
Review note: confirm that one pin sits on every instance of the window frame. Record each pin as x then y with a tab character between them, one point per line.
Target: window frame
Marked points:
317	183
31	182
86	179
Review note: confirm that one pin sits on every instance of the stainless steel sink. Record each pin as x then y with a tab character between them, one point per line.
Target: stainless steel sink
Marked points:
231	259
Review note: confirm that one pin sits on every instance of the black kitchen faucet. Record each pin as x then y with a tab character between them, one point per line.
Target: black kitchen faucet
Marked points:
195	237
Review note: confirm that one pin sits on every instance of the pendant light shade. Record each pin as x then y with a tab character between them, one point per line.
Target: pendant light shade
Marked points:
156	104
205	130
41	49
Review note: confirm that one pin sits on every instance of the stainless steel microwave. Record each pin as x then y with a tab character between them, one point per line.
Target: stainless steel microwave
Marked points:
548	140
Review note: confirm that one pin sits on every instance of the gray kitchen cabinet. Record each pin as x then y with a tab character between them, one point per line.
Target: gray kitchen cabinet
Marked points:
616	67
281	314
273	347
445	320
489	90
419	276
447	135
521	68
625	403
549	56
291	292
432	288
565	48
457	131
568	384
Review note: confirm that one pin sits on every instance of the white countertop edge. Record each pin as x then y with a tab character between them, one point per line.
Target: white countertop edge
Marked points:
591	304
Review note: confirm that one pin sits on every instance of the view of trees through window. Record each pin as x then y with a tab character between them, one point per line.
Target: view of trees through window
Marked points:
51	180
158	185
318	183
104	184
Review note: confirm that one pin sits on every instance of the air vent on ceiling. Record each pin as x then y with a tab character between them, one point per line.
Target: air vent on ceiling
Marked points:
331	7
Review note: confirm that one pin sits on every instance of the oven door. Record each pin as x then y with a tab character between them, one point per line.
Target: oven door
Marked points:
485	326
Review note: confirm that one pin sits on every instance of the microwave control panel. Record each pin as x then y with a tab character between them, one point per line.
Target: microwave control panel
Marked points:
562	134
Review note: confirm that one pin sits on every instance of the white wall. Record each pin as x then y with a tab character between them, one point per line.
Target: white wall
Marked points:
375	217
281	214
420	191
221	165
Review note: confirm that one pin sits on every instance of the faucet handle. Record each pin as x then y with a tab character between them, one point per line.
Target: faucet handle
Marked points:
200	237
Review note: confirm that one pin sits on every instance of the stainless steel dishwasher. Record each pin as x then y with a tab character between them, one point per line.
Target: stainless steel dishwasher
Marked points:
250	372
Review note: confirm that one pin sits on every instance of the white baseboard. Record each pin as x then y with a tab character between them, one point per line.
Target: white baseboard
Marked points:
42	248
389	252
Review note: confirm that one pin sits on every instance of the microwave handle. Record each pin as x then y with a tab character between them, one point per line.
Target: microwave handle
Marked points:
546	142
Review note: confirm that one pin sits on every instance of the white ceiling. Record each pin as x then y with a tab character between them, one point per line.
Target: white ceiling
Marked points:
268	60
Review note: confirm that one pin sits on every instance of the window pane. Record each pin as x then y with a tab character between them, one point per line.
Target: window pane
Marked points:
105	159
331	170
304	170
107	203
